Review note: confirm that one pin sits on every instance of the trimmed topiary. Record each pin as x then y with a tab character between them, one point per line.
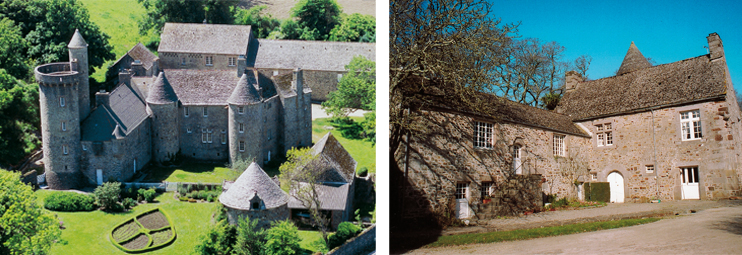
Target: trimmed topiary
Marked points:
145	232
69	202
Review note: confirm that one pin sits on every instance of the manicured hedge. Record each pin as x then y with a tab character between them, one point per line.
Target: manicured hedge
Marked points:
69	202
598	191
346	230
133	237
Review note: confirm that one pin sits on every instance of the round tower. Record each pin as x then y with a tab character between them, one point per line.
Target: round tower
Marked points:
246	120
78	52
163	102
59	87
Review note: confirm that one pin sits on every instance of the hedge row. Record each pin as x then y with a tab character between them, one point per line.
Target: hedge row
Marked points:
69	202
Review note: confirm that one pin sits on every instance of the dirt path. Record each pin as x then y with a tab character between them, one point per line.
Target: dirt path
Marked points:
711	231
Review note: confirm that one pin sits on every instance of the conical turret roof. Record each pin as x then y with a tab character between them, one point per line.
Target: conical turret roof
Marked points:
245	92
634	60
253	182
77	41
161	92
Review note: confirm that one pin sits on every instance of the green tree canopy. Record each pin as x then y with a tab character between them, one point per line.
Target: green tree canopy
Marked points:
317	15
19	118
355	28
356	89
250	238
282	239
218	241
24	227
185	11
12	48
262	23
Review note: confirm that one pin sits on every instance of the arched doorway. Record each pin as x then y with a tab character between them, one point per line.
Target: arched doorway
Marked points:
615	181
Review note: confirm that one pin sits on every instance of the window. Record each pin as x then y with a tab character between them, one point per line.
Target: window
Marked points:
604	134
559	145
189	130
64	149
209	60
64	126
232	61
242	145
224	138
240	109
242	128
61	101
206	135
461	190
183	61
594	176
340	77
186	112
690	125
206	112
209	135
275	72
269	134
483	135
690	174
486	189
84	148
650	169
516	159
256	205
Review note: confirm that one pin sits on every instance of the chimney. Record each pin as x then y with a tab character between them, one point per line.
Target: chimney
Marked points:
716	50
297	81
137	68
241	65
124	77
101	98
572	80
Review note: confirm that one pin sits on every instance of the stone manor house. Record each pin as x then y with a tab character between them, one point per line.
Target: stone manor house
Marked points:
215	93
668	132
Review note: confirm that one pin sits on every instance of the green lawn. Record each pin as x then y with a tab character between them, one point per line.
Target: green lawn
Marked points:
87	232
192	172
362	151
308	237
118	19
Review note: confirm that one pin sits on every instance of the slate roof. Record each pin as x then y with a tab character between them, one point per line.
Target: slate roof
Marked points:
333	162
634	60
210	87
246	92
308	55
204	38
126	109
77	41
161	92
332	197
690	80
251	182
141	53
283	84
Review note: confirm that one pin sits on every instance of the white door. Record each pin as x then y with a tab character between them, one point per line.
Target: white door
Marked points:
616	182
462	203
99	176
580	193
516	160
689	177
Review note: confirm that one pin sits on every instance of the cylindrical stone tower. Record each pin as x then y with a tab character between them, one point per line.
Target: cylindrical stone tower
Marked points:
163	102
78	51
246	120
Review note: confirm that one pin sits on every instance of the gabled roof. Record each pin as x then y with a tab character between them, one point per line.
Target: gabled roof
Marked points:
331	197
161	92
245	92
77	41
686	81
204	38
333	162
141	53
634	60
308	55
125	110
253	181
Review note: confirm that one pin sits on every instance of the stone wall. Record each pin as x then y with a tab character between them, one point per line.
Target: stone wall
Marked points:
165	135
192	143
170	60
654	138
519	194
265	217
364	243
252	119
117	158
322	83
271	129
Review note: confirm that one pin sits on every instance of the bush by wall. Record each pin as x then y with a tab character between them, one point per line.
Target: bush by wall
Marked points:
69	202
346	230
598	191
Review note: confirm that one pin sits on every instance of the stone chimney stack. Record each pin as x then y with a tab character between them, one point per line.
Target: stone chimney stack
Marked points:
298	79
102	97
124	77
241	65
716	50
571	80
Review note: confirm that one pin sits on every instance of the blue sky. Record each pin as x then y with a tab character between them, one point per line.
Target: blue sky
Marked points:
666	31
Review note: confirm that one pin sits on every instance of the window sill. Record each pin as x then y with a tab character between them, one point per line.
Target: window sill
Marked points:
606	146
209	65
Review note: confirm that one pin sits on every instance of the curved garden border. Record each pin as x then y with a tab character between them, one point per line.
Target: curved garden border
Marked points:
143	231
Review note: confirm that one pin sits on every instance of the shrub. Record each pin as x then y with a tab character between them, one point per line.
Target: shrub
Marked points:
182	190
560	203
282	238
183	198
346	230
201	194
107	195
128	203
210	198
362	172
69	202
150	194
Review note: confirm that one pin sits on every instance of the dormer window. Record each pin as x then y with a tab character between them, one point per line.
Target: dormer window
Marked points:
255	205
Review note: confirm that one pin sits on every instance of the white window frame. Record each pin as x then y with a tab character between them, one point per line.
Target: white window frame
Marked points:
232	61
242	146
189	130
487	189
462	190
84	148
242	128
209	135
64	150
594	176
64	126
240	109
517	163
61	102
604	134
559	148
483	135
224	138
186	111
209	60
206	111
690	125
649	169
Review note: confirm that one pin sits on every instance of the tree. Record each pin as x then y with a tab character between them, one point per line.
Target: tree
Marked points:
317	15
356	89
12	48
107	195
262	23
582	64
282	239
19	119
24	227
303	182
355	28
218	241
250	239
185	11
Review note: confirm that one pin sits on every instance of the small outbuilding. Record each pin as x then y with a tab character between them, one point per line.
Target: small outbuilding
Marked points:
254	194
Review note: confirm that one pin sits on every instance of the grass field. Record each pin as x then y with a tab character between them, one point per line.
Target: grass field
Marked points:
192	172
118	19
362	151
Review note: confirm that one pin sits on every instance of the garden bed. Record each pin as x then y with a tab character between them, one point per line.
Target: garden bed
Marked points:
147	231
